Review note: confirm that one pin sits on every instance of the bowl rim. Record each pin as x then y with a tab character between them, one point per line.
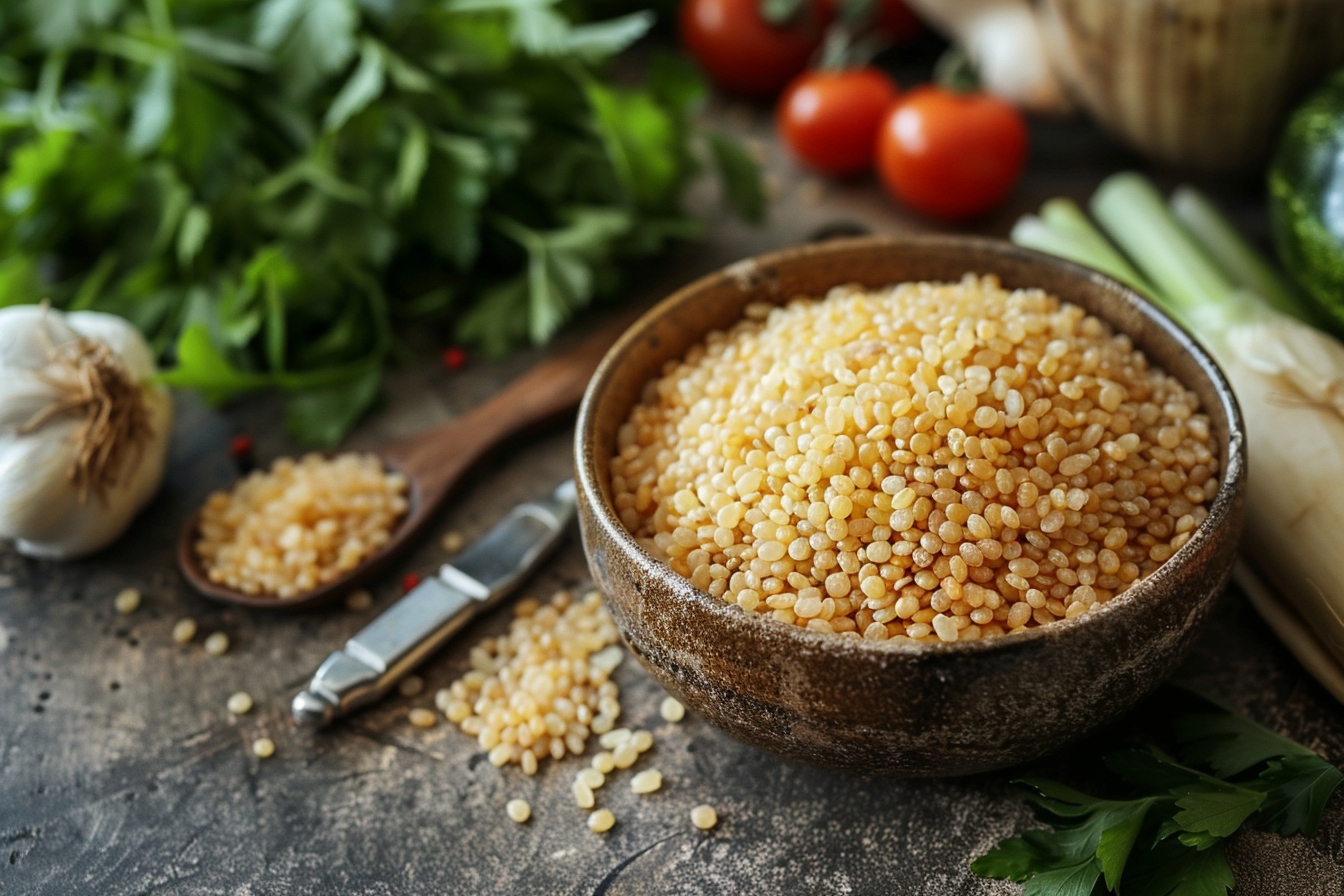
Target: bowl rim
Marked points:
1221	509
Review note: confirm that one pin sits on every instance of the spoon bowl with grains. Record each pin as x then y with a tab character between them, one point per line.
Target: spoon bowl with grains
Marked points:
308	531
909	506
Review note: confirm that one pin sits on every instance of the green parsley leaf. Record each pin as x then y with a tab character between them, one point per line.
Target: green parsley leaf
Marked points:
1297	789
742	190
1217	812
1164	835
322	416
364	86
1170	870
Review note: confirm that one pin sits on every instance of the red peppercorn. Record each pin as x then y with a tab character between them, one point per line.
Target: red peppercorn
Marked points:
454	357
240	446
409	581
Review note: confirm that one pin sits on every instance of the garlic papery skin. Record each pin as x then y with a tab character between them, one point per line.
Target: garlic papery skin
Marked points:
83	430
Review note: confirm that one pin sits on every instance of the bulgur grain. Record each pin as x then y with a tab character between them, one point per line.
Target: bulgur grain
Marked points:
642	741
613	739
184	630
920	461
453	541
410	686
518	810
359	601
671	710
601	821
604	762
625	755
240	703
263	748
583	795
704	817
217	644
422	718
647	781
127	601
285	531
592	777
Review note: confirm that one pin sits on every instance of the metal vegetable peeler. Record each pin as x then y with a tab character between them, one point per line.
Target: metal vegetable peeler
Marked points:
372	662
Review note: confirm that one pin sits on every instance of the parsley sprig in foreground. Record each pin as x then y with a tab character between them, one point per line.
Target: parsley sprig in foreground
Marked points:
1162	830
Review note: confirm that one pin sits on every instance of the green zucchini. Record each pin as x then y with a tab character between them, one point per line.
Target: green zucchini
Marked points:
1306	199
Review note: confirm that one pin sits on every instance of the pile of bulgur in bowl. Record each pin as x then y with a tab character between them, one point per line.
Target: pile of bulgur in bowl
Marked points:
929	462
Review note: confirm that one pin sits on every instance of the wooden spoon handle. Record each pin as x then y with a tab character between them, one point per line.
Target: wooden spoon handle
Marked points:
439	457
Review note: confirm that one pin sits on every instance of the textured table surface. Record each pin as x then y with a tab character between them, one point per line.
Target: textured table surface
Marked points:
121	772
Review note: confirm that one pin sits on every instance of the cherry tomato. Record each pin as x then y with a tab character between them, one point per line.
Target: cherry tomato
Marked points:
951	155
829	119
740	51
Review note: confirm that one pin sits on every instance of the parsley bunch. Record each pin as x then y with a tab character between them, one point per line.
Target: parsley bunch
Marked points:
270	189
1161	832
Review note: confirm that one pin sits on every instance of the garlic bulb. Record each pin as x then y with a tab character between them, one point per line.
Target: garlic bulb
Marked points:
83	435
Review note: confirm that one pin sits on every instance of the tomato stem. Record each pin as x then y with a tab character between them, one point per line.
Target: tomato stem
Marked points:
955	71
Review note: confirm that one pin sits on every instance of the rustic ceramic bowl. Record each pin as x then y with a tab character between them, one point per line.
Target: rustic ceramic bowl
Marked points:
885	707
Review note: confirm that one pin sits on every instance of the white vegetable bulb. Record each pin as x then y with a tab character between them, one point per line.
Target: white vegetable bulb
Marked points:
83	433
1004	41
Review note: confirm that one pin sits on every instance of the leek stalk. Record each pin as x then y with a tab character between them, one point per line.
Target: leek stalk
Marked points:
1289	381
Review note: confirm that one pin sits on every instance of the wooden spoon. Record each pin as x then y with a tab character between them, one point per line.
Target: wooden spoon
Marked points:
435	461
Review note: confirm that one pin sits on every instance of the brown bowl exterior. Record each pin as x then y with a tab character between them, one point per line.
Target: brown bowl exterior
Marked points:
883	707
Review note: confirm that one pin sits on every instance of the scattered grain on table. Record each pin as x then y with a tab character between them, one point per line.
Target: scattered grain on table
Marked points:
422	718
518	810
647	781
601	821
704	817
184	630
411	686
217	644
240	703
591	777
127	601
671	710
263	748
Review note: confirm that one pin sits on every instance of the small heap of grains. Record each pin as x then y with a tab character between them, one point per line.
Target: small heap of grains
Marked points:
544	687
929	461
299	525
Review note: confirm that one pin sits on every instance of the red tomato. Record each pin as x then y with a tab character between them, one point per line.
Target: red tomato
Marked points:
951	155
740	51
829	119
